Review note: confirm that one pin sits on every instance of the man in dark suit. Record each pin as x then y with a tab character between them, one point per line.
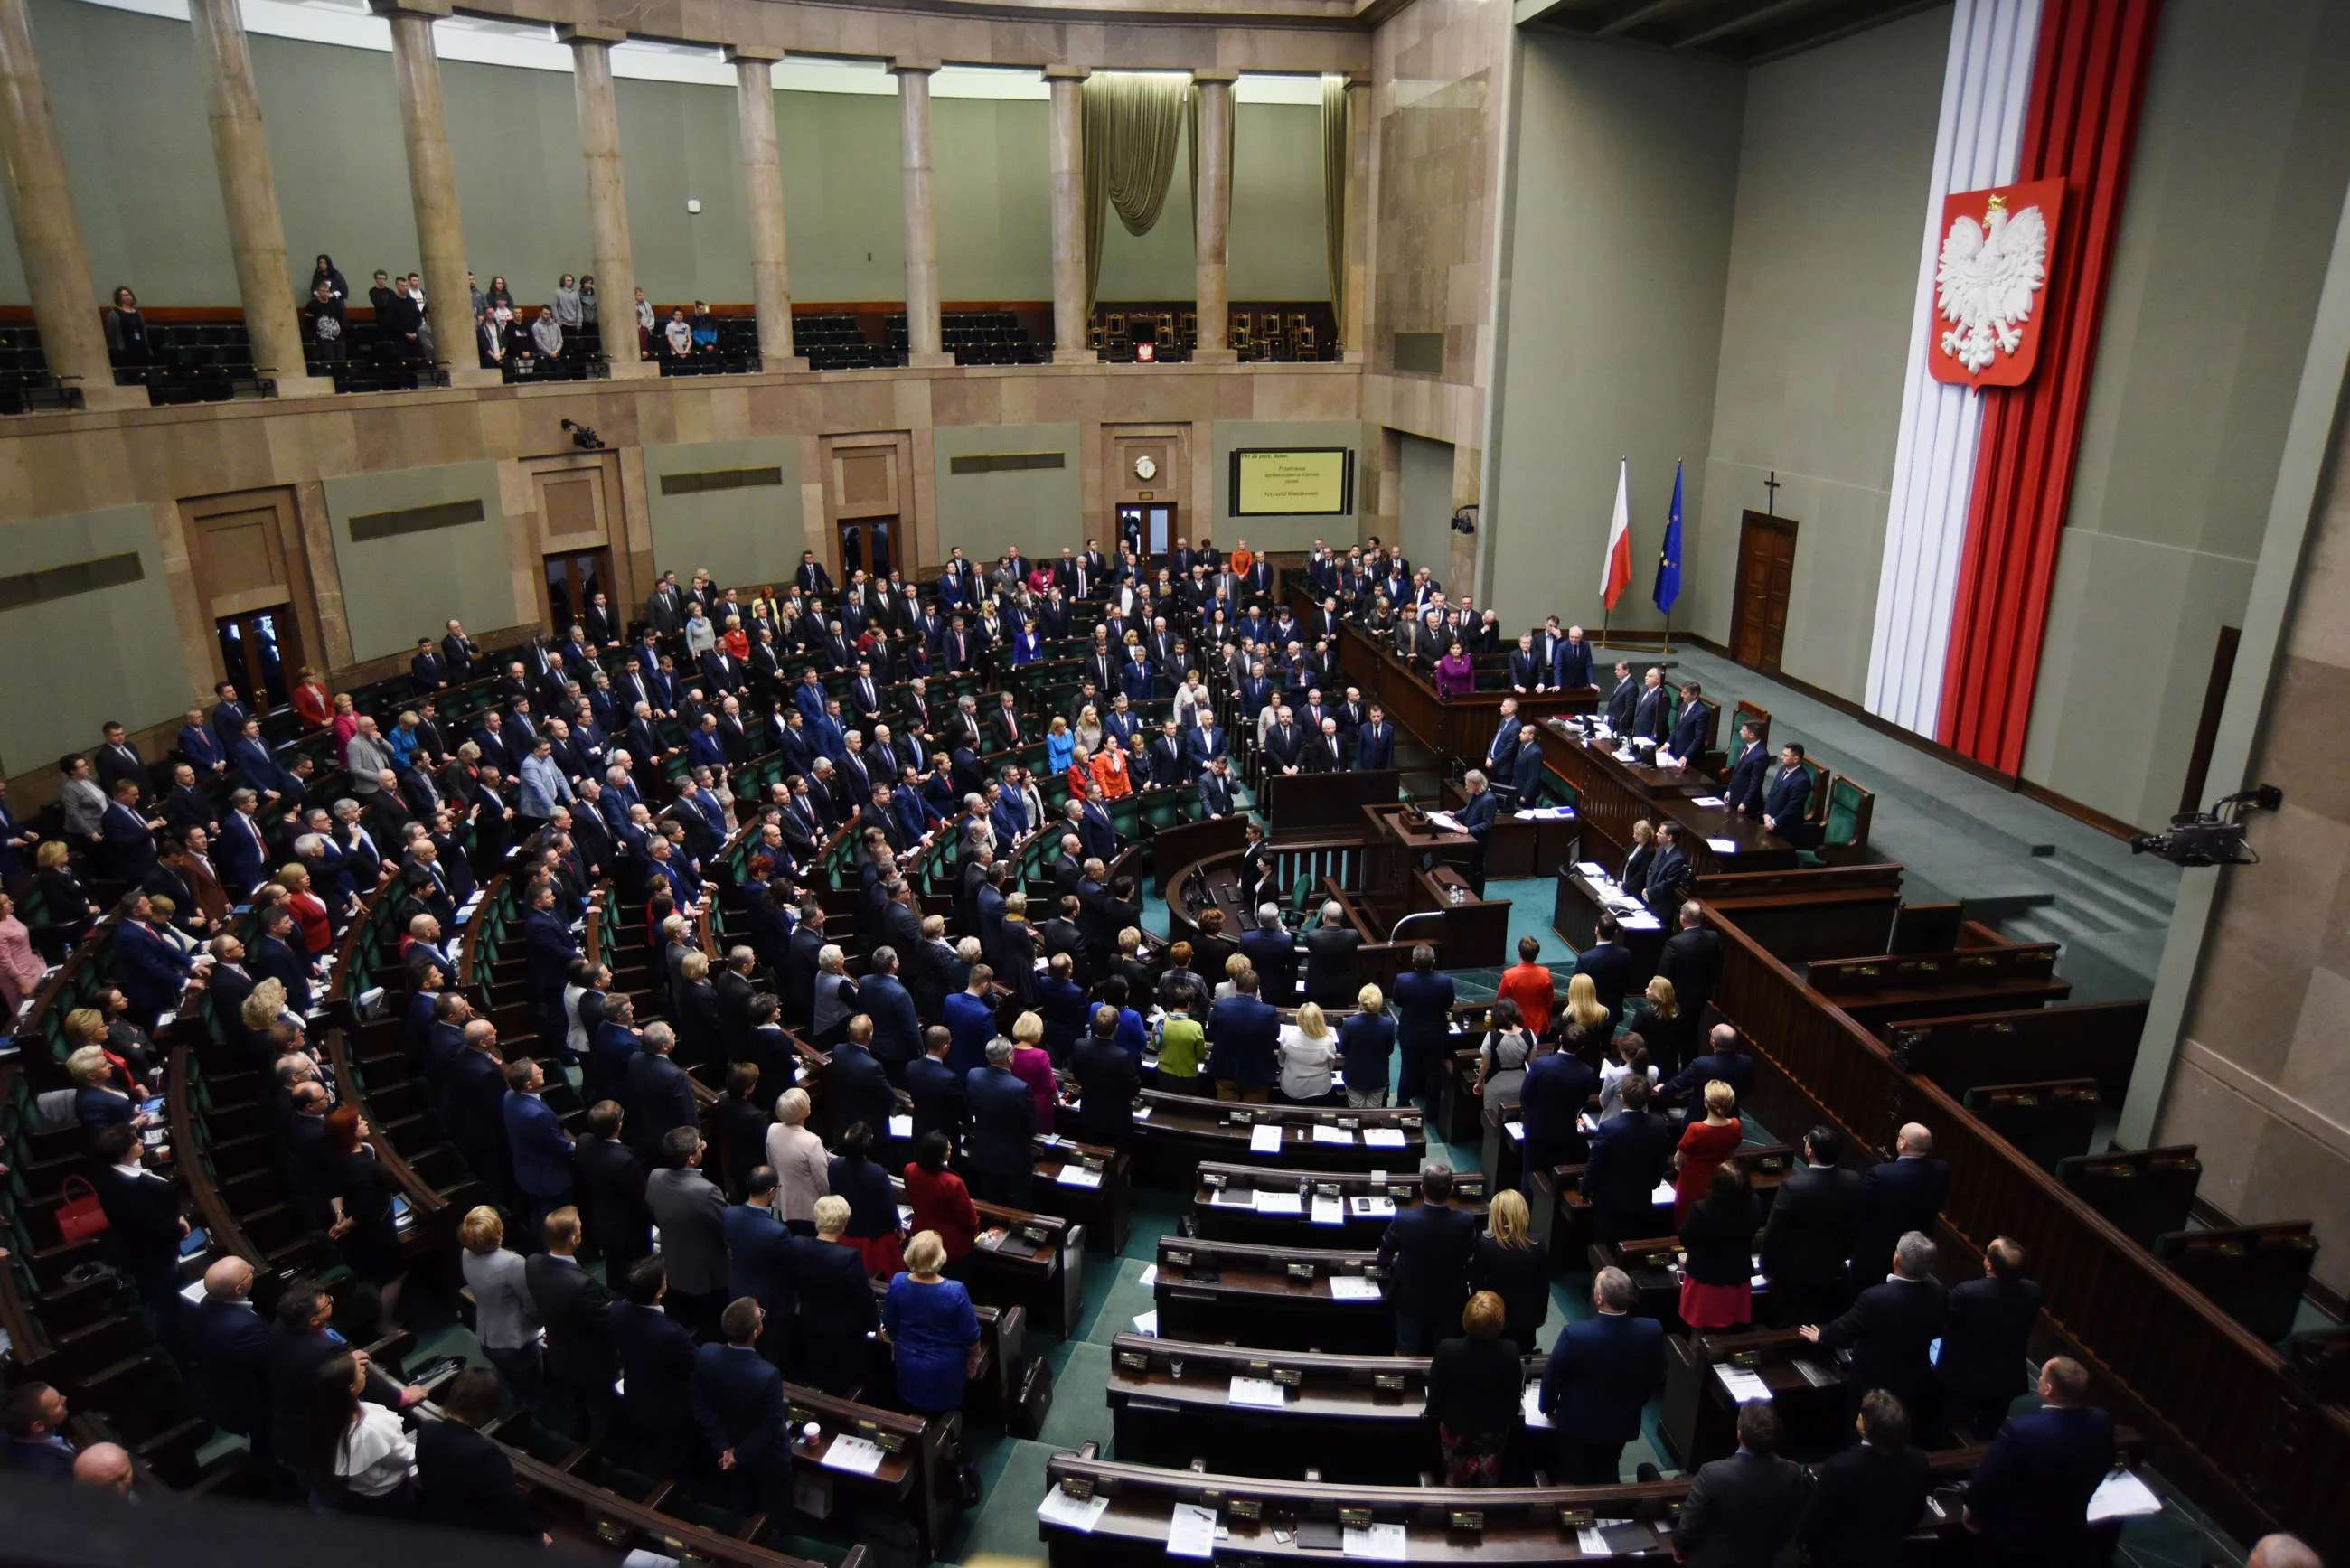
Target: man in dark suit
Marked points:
1653	716
857	1084
1891	1328
1558	1085
144	1226
1790	794
690	1211
1900	1195
1981	1365
1623	701
1742	1510
1600	1376
577	1310
1002	1123
1330	977
1725	1058
1476	818
738	1402
1743	793
1809	1235
936	1088
653	1351
1570	658
897	1030
1425	1254
32	1433
2029	1499
1872	1494
300	1342
758	1260
1689	730
1375	742
1608	962
1670	875
1274	951
1243	1043
463	1478
1692	959
659	1098
611	1182
230	1345
1629	1156
1107	1081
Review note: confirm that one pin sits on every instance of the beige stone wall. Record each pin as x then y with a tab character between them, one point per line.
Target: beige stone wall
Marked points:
2259	1083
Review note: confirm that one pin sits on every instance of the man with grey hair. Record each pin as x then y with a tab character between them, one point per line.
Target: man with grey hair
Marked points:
1002	1123
1901	1194
1330	978
1891	1329
2282	1552
1270	948
1601	1373
367	758
659	1096
1476	818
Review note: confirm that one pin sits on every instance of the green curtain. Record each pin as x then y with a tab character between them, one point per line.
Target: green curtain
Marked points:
1132	125
1338	158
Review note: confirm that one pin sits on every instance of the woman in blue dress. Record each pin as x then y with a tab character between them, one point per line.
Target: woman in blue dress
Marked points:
931	1329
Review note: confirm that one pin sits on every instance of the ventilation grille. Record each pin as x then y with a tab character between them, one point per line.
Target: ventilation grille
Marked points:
1419	353
369	527
1006	462
21	588
702	482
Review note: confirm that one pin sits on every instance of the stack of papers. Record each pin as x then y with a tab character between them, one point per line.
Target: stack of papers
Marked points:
1329	1212
1060	1508
1192	1531
1352	1288
1324	1133
1742	1386
1258	1391
1383	1137
857	1456
1530	1407
1723	846
1279	1203
1383	1542
1265	1138
1445	820
901	1127
1711	802
1147	1323
1078	1176
2122	1495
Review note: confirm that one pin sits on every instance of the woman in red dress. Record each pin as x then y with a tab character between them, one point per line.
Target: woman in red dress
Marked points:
939	1199
1705	1145
1718	1238
312	702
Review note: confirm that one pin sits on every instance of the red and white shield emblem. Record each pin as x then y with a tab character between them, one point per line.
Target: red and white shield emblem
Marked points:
1990	283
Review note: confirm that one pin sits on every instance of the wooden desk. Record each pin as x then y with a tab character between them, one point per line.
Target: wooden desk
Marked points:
1699	1423
1182	1131
1654	1263
1036	1264
1270	1296
1089	1185
1612	793
1304	805
1576	914
1224	1208
914	1478
1180	843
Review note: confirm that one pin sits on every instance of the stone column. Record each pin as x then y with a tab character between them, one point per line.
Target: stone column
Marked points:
763	185
1214	219
48	231
923	337
1354	331
608	196
433	186
1069	323
256	235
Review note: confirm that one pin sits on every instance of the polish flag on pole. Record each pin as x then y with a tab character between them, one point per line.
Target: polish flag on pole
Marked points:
1617	575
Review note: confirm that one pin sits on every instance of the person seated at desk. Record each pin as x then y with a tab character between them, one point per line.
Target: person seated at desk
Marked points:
1596	1384
1718	1237
1742	1510
1475	1382
1872	1494
2028	1500
1705	1143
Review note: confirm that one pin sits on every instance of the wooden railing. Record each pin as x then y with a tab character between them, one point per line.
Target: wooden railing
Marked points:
2221	1417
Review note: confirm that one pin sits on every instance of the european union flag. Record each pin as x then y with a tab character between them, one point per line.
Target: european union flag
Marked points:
1668	559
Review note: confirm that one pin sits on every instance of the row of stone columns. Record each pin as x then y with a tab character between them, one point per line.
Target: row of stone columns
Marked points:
57	261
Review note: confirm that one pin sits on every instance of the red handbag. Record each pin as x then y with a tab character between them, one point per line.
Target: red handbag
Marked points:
80	1216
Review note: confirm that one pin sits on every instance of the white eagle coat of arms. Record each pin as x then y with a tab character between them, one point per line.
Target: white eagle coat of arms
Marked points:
1988	282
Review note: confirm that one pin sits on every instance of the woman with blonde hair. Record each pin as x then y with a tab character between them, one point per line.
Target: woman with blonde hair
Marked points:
1584	1007
97	1103
21	968
930	1327
837	1309
802	1167
265	1004
1511	1263
1307	1049
1235	966
1059	746
345	725
505	1317
1033	1065
1089	729
1367	1045
310	921
1635	878
1704	1146
1655	1016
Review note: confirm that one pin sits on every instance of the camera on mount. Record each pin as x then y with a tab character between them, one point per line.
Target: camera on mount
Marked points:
2214	837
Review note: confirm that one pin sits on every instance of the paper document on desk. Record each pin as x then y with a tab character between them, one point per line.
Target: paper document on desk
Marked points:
1329	1212
1265	1138
1192	1531
1060	1508
1592	870
1723	846
2122	1495
857	1456
1142	1113
1743	1385
641	1558
1230	1198
1383	1137
1530	1407
1258	1391
1279	1202
1382	1541
1446	820
1147	1323
1078	1176
1352	1288
1710	801
1325	1133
